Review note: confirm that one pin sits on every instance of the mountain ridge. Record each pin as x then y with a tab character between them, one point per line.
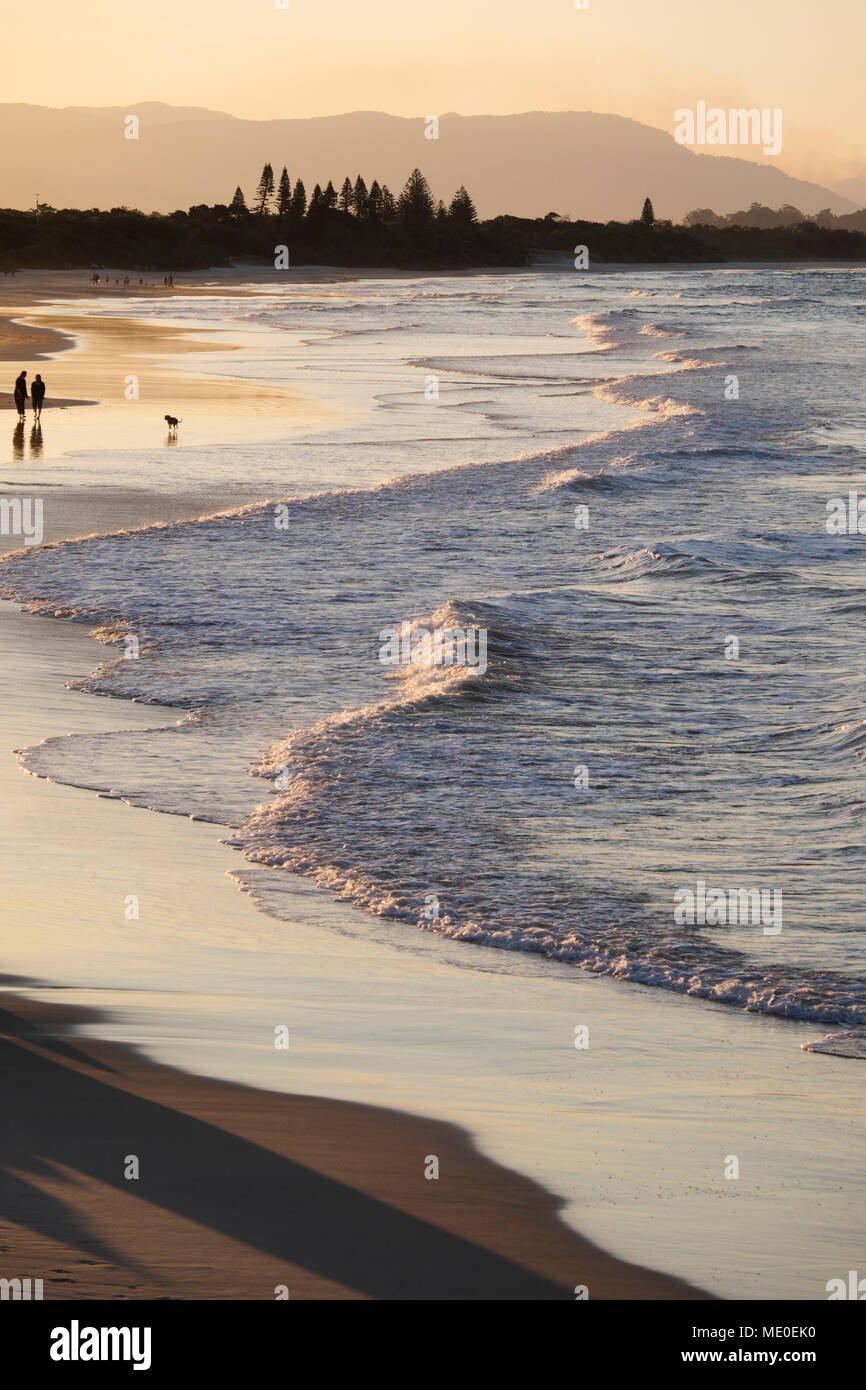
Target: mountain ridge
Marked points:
592	165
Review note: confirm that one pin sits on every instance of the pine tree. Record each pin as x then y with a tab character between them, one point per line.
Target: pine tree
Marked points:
416	201
647	217
238	205
389	204
265	190
299	200
374	200
347	197
329	197
284	195
315	202
361	198
462	208
441	212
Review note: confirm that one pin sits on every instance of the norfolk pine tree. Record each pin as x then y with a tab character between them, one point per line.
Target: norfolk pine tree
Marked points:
238	205
284	195
361	198
265	190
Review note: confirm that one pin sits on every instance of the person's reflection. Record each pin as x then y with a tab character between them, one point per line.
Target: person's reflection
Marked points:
36	441
18	441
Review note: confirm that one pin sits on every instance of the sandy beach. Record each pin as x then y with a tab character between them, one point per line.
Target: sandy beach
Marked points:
432	716
306	1168
123	366
241	1190
137	371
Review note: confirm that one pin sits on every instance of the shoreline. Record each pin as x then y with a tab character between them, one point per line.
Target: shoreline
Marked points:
326	1198
356	1172
602	1118
137	370
376	1009
21	340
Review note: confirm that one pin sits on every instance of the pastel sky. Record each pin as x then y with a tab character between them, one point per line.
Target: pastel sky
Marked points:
639	58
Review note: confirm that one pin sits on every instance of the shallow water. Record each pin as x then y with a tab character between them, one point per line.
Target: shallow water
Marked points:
446	797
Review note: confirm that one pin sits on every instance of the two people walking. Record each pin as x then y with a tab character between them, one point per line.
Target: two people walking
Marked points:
37	394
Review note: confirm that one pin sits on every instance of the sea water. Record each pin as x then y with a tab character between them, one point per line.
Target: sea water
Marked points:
624	481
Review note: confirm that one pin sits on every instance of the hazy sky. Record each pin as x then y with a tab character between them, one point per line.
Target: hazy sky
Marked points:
639	58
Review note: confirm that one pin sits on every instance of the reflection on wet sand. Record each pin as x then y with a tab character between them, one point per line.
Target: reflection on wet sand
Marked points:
36	441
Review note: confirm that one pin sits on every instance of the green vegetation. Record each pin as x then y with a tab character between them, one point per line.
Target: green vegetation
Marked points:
787	216
369	226
639	241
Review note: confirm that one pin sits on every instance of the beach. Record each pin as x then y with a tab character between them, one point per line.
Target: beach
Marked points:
341	1208
243	1194
558	1168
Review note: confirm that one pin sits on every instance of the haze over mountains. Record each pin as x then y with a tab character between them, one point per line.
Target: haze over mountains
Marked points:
854	188
580	164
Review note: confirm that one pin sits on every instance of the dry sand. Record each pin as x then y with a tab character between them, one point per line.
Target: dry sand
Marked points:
26	341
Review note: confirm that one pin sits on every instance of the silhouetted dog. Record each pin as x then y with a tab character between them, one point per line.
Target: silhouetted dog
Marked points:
172	423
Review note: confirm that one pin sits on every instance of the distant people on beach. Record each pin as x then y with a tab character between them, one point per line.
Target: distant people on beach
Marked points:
20	393
37	395
96	280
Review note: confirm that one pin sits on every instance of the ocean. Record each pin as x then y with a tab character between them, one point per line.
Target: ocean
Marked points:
622	481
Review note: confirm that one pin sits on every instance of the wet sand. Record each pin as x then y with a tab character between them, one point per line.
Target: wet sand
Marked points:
131	368
241	1191
636	1137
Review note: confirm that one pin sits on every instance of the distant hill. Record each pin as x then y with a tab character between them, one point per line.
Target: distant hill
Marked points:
854	189
757	216
578	164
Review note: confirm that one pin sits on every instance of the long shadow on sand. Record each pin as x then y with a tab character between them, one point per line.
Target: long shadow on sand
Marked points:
59	1115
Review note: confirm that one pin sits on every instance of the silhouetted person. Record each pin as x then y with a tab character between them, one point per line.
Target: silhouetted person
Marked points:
20	392
37	395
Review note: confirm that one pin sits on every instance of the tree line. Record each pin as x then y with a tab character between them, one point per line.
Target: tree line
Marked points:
367	226
415	206
757	215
